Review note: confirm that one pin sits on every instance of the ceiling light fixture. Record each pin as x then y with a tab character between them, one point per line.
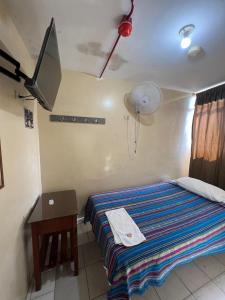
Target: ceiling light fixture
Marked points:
196	52
185	33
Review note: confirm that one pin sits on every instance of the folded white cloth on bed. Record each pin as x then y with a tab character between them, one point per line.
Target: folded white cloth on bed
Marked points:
124	229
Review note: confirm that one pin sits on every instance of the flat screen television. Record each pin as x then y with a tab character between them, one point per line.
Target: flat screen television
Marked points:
45	82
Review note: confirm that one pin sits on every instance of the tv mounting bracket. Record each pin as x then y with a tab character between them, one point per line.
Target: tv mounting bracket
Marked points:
18	73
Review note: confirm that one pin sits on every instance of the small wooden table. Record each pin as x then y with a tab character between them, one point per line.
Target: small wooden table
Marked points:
54	214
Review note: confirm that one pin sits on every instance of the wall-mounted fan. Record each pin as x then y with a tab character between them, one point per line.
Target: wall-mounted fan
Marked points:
141	103
145	98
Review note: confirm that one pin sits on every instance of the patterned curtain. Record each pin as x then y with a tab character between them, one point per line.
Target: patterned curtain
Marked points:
208	136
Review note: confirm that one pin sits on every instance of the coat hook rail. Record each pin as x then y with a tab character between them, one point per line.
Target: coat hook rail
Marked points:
77	119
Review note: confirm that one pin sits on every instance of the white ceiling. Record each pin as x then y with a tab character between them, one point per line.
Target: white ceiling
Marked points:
87	29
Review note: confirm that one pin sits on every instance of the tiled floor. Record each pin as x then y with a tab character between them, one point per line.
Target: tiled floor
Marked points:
203	279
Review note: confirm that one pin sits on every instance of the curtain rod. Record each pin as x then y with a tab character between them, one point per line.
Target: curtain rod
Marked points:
210	87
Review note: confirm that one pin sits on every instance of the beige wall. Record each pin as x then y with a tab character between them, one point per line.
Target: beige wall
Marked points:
20	151
93	158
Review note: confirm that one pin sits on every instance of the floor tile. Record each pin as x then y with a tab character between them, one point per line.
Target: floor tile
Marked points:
150	294
70	287
91	236
49	296
192	276
102	297
172	289
81	228
210	265
87	227
47	284
209	292
220	257
220	282
97	280
80	257
82	238
92	253
190	298
30	290
28	296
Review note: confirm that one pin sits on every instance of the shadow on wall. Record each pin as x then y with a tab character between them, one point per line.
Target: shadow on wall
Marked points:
146	120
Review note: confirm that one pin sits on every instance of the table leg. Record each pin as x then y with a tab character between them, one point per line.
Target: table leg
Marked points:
74	247
36	258
64	246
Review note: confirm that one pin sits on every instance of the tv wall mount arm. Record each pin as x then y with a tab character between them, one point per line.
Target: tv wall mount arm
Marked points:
17	75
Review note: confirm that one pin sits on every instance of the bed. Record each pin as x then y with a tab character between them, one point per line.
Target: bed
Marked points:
178	225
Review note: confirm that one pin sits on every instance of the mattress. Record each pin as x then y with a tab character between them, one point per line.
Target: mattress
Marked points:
178	225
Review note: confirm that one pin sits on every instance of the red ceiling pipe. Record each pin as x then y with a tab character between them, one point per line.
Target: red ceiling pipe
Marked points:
124	29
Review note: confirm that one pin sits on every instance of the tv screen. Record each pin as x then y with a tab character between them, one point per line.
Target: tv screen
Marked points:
45	82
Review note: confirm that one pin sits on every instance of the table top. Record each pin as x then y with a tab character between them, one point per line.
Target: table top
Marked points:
54	205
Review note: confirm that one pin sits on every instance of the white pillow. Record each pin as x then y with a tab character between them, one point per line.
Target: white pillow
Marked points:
202	188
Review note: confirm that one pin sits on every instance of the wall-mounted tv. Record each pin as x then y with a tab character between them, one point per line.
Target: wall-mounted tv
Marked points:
45	82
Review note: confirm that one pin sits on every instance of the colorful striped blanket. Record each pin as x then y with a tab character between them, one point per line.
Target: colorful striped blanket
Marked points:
178	225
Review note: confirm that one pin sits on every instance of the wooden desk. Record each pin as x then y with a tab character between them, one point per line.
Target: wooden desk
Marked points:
48	218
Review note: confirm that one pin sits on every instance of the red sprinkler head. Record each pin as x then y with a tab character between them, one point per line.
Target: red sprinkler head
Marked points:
125	27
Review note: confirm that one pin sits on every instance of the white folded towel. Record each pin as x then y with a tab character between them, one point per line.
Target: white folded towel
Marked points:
124	229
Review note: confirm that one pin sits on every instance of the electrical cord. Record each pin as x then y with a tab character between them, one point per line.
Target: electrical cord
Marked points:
136	131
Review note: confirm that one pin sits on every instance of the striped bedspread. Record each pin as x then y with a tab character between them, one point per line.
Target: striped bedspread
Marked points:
178	225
